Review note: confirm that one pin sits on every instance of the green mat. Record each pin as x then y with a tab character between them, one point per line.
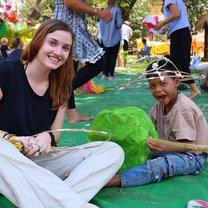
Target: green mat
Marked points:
169	193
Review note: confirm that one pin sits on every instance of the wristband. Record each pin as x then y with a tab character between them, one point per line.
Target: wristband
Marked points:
8	136
53	141
4	133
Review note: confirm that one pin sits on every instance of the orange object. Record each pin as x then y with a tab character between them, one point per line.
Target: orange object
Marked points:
92	88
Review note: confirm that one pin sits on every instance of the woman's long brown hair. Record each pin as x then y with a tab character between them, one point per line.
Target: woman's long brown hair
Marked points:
60	80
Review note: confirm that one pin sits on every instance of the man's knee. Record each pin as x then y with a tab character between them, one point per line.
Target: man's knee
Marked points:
159	168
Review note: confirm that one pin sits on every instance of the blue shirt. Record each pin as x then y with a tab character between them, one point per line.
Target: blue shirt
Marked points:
4	49
15	54
111	31
180	22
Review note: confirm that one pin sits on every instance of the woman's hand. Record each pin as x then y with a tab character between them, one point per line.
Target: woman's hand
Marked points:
158	26
35	146
105	14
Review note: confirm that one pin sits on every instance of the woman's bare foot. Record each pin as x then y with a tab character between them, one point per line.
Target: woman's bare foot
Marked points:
194	91
74	116
111	78
103	77
194	94
88	205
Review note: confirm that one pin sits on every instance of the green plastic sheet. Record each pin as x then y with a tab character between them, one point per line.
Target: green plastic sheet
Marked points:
129	127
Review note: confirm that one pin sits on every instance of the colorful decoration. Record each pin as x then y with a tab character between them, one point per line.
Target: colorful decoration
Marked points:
11	30
10	26
8	12
149	22
90	88
197	204
158	48
130	128
197	47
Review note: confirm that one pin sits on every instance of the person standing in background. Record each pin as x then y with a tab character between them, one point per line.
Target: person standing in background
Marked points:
178	27
127	35
4	49
85	50
111	37
17	50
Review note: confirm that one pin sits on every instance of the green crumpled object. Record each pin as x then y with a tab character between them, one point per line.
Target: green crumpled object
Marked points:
129	127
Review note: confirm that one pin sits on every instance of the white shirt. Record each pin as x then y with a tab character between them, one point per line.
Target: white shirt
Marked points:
126	32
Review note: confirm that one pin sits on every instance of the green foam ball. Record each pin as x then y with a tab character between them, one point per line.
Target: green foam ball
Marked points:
129	127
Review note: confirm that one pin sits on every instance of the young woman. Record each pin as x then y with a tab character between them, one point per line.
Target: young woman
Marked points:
86	49
33	97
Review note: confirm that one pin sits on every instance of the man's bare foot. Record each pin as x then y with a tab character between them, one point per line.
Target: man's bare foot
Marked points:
194	94
115	181
74	116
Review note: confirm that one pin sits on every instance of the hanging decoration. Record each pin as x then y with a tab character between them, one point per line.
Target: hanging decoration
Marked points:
149	22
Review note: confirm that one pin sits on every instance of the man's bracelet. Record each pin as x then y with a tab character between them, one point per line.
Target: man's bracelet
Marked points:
53	141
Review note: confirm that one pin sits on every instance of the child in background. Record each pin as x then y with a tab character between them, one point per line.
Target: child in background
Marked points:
145	51
178	119
4	48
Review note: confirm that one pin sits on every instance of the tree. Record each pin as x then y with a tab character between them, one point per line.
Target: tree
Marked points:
196	9
126	7
36	9
137	14
46	6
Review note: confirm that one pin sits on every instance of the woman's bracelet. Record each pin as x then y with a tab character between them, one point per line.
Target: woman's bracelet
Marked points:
11	138
53	141
8	136
3	133
162	23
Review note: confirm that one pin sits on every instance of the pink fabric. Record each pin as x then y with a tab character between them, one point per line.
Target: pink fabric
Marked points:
197	203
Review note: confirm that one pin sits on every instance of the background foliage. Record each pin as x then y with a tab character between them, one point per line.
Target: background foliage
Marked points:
133	10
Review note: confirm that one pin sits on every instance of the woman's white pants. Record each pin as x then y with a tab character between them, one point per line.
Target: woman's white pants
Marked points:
41	182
